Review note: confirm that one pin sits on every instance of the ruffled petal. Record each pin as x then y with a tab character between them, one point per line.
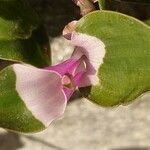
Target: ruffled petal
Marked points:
94	50
42	92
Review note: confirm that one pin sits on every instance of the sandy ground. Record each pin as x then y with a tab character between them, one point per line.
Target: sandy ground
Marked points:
86	126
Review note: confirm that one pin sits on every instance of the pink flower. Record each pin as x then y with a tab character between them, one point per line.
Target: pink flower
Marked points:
46	91
71	72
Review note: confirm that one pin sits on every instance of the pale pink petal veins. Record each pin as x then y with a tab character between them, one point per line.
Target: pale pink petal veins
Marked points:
94	50
42	92
70	27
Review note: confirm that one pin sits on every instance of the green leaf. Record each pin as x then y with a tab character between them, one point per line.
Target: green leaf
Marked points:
125	72
17	19
102	4
31	51
14	114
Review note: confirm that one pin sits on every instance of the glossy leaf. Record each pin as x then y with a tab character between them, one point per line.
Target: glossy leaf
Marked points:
125	72
31	51
17	19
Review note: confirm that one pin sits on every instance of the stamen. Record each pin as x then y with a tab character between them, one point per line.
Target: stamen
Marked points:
66	80
82	66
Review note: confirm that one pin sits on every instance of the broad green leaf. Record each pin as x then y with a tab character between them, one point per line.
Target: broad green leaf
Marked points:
31	51
14	114
17	19
125	72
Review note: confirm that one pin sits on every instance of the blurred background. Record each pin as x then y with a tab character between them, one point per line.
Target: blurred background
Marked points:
85	126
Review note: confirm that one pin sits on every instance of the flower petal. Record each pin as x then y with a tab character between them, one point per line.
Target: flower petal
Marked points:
66	67
70	27
69	69
94	50
42	92
68	92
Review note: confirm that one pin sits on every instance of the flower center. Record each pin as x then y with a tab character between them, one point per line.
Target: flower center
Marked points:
66	81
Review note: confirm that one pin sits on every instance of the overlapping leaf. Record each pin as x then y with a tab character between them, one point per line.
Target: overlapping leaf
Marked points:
32	51
19	33
17	19
125	72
